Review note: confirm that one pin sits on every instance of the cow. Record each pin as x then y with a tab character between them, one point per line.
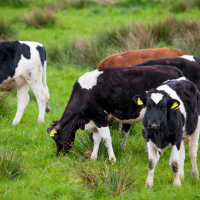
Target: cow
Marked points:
134	57
172	115
103	95
188	64
21	66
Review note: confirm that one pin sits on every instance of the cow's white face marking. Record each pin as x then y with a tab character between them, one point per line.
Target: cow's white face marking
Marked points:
89	79
156	97
188	57
173	95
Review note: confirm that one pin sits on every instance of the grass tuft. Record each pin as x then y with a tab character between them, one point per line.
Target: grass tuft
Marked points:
10	164
6	32
115	179
41	18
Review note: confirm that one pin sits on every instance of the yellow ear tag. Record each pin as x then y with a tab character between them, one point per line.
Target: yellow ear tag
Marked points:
53	132
175	106
139	102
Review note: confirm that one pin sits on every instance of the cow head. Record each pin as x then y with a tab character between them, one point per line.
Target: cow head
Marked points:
157	103
62	136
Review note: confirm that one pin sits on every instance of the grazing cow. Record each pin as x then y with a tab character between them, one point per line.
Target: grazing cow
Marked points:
129	58
188	64
172	115
103	95
21	66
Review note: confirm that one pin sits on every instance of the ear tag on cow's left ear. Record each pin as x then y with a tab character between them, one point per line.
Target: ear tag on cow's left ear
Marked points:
175	106
53	132
139	102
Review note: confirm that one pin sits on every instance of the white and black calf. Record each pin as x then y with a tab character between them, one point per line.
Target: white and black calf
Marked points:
188	64
172	115
21	66
103	95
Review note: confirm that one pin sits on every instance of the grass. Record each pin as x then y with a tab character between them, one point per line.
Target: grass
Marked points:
10	164
84	36
180	34
6	32
41	18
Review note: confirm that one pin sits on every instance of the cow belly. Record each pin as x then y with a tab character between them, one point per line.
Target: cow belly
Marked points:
128	121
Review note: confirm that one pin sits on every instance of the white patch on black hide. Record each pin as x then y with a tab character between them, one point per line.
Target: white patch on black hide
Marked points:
89	79
178	79
188	57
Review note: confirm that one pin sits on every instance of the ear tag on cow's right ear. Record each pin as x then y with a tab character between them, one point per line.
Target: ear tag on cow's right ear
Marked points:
139	102
175	106
53	132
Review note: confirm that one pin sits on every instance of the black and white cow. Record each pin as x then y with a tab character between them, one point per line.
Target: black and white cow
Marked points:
188	64
103	95
172	115
21	66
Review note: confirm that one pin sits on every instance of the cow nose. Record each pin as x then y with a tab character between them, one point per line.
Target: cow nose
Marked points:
154	126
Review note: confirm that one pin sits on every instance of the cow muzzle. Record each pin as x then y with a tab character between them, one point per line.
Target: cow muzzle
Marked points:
154	126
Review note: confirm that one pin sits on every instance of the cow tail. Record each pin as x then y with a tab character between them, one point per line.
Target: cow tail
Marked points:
45	81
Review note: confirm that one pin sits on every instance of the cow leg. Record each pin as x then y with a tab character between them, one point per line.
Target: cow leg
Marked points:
23	100
152	163
105	134
193	147
96	137
174	163
181	160
40	95
125	132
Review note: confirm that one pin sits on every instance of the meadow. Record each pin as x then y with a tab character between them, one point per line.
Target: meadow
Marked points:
77	35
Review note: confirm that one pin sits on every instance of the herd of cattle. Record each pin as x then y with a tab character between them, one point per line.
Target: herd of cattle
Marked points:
159	87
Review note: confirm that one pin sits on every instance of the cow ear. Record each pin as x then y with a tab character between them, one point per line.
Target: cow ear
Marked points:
173	104
140	100
53	123
53	130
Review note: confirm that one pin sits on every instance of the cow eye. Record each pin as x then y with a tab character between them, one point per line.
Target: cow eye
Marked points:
148	107
163	108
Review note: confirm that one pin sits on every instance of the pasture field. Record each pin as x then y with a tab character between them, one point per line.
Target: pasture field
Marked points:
29	167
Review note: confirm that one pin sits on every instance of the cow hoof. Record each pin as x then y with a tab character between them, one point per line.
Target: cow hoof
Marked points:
149	183
14	123
195	174
177	183
40	121
93	157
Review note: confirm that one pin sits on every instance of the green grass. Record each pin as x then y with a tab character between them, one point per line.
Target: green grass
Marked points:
46	176
43	175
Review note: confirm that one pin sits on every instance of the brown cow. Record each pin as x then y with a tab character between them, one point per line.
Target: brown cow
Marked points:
138	56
